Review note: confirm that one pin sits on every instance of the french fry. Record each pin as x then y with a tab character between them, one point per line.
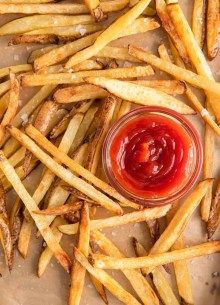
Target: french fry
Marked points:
12	106
88	64
198	59
180	219
200	81
114	287
153	260
15	222
46	255
5	233
111	33
181	270
4	101
212	29
4	87
30	204
84	108
22	1
40	39
113	221
138	282
73	94
78	77
160	282
140	94
39	52
59	8
58	195
57	55
170	29
198	21
168	86
116	53
95	9
124	108
60	210
78	271
30	23
15	69
214	217
17	157
65	174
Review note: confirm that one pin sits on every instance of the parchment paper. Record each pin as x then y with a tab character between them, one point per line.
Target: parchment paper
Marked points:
23	287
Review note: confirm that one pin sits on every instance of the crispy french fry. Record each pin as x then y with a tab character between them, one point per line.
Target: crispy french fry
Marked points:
200	81
181	270
140	94
12	106
88	64
60	210
116	53
214	217
39	52
168	86
138	282
78	271
78	93
124	108
5	233
113	286
133	217
4	101
89	114
15	222
170	29
78	77
61	8
160	282
153	260
40	39
95	9
65	174
47	234
111	33
212	28
4	87
198	21
30	23
46	255
17	157
58	195
15	69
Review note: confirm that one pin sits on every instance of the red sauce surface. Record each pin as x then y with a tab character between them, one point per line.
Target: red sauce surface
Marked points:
150	156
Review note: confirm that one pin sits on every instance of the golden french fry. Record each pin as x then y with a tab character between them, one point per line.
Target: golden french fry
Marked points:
125	107
170	29
78	271
78	77
113	286
161	283
151	213
214	217
116	53
78	93
65	174
15	69
58	195
41	39
138	282
153	260
200	81
140	94
212	28
198	21
39	52
4	101
30	23
31	206
46	255
95	9
168	86
60	209
16	7
12	106
111	33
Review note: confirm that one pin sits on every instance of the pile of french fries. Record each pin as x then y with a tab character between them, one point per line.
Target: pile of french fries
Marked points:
86	84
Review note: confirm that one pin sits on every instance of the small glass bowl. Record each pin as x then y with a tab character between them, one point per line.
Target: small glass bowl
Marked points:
195	161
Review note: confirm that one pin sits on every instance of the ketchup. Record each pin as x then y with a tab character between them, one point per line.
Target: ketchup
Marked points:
151	155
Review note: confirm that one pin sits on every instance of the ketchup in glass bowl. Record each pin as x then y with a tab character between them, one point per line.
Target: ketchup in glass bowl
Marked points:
152	155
